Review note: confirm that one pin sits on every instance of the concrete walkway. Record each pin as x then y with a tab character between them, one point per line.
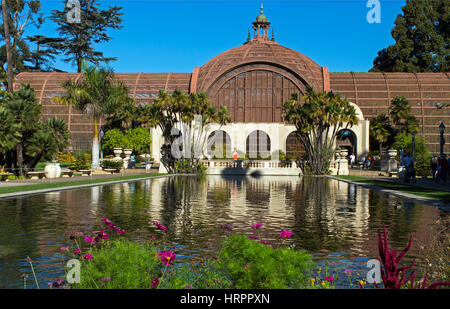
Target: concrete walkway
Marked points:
420	182
94	175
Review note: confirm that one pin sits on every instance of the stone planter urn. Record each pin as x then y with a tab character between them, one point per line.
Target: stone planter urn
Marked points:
392	163
52	170
117	153
127	153
337	155
392	153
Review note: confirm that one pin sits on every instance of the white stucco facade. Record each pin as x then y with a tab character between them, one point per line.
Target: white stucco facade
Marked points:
277	133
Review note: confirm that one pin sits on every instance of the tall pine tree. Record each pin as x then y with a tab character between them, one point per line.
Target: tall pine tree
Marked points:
92	29
422	39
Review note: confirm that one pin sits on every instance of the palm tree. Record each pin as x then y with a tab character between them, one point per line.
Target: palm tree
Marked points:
380	130
25	109
318	120
400	112
97	95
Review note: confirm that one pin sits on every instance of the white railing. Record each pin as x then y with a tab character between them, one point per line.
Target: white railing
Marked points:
266	164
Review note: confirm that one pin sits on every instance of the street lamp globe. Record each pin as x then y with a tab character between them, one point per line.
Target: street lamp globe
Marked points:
441	128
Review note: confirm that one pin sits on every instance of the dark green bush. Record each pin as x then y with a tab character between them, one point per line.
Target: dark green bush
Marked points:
252	265
112	164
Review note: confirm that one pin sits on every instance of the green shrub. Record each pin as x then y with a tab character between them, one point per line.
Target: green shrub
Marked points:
112	164
80	165
123	264
114	138
252	265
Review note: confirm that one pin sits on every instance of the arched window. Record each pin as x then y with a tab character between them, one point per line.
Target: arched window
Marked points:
219	145
294	148
346	139
258	145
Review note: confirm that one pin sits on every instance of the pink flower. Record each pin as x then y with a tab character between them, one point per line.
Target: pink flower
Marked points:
162	227
121	231
106	279
253	237
329	279
77	251
348	272
264	242
155	282
88	257
64	248
107	221
166	257
286	234
89	239
103	235
256	226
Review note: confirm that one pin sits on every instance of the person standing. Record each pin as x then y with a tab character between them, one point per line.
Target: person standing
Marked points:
434	165
235	155
443	167
352	160
148	166
133	161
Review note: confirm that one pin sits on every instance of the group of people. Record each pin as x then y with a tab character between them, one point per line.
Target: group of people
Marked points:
440	168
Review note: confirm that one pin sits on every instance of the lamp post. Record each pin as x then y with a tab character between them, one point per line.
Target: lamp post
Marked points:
413	150
442	139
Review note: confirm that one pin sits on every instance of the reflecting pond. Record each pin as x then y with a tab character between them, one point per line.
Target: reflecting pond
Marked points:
337	222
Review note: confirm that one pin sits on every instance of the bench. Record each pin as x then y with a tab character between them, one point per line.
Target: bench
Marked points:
67	173
112	170
5	176
32	175
86	172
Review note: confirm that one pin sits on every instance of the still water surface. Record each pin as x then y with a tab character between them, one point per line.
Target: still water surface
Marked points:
337	222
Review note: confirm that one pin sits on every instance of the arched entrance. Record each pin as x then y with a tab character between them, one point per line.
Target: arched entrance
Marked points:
219	145
258	145
346	139
294	148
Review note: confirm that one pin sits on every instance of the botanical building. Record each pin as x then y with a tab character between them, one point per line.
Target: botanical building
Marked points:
254	80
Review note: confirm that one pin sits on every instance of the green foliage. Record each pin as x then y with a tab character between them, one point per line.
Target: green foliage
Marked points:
21	15
78	165
381	132
317	121
113	138
403	141
169	110
112	164
132	265
252	265
139	140
80	38
422	35
29	139
403	120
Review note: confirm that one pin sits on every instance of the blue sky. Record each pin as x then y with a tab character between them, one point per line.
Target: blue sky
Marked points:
176	36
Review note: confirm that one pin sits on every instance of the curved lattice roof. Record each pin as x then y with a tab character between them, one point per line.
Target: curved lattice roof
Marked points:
260	51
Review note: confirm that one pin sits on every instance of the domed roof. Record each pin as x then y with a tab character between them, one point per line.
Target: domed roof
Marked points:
261	18
262	52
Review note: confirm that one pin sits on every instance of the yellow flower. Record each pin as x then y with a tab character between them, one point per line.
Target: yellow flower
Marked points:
313	281
362	282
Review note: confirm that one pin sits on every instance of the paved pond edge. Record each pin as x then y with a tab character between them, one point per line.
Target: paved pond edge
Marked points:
412	197
72	187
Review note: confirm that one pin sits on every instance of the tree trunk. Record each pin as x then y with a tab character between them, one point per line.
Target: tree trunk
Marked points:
8	47
19	154
95	147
